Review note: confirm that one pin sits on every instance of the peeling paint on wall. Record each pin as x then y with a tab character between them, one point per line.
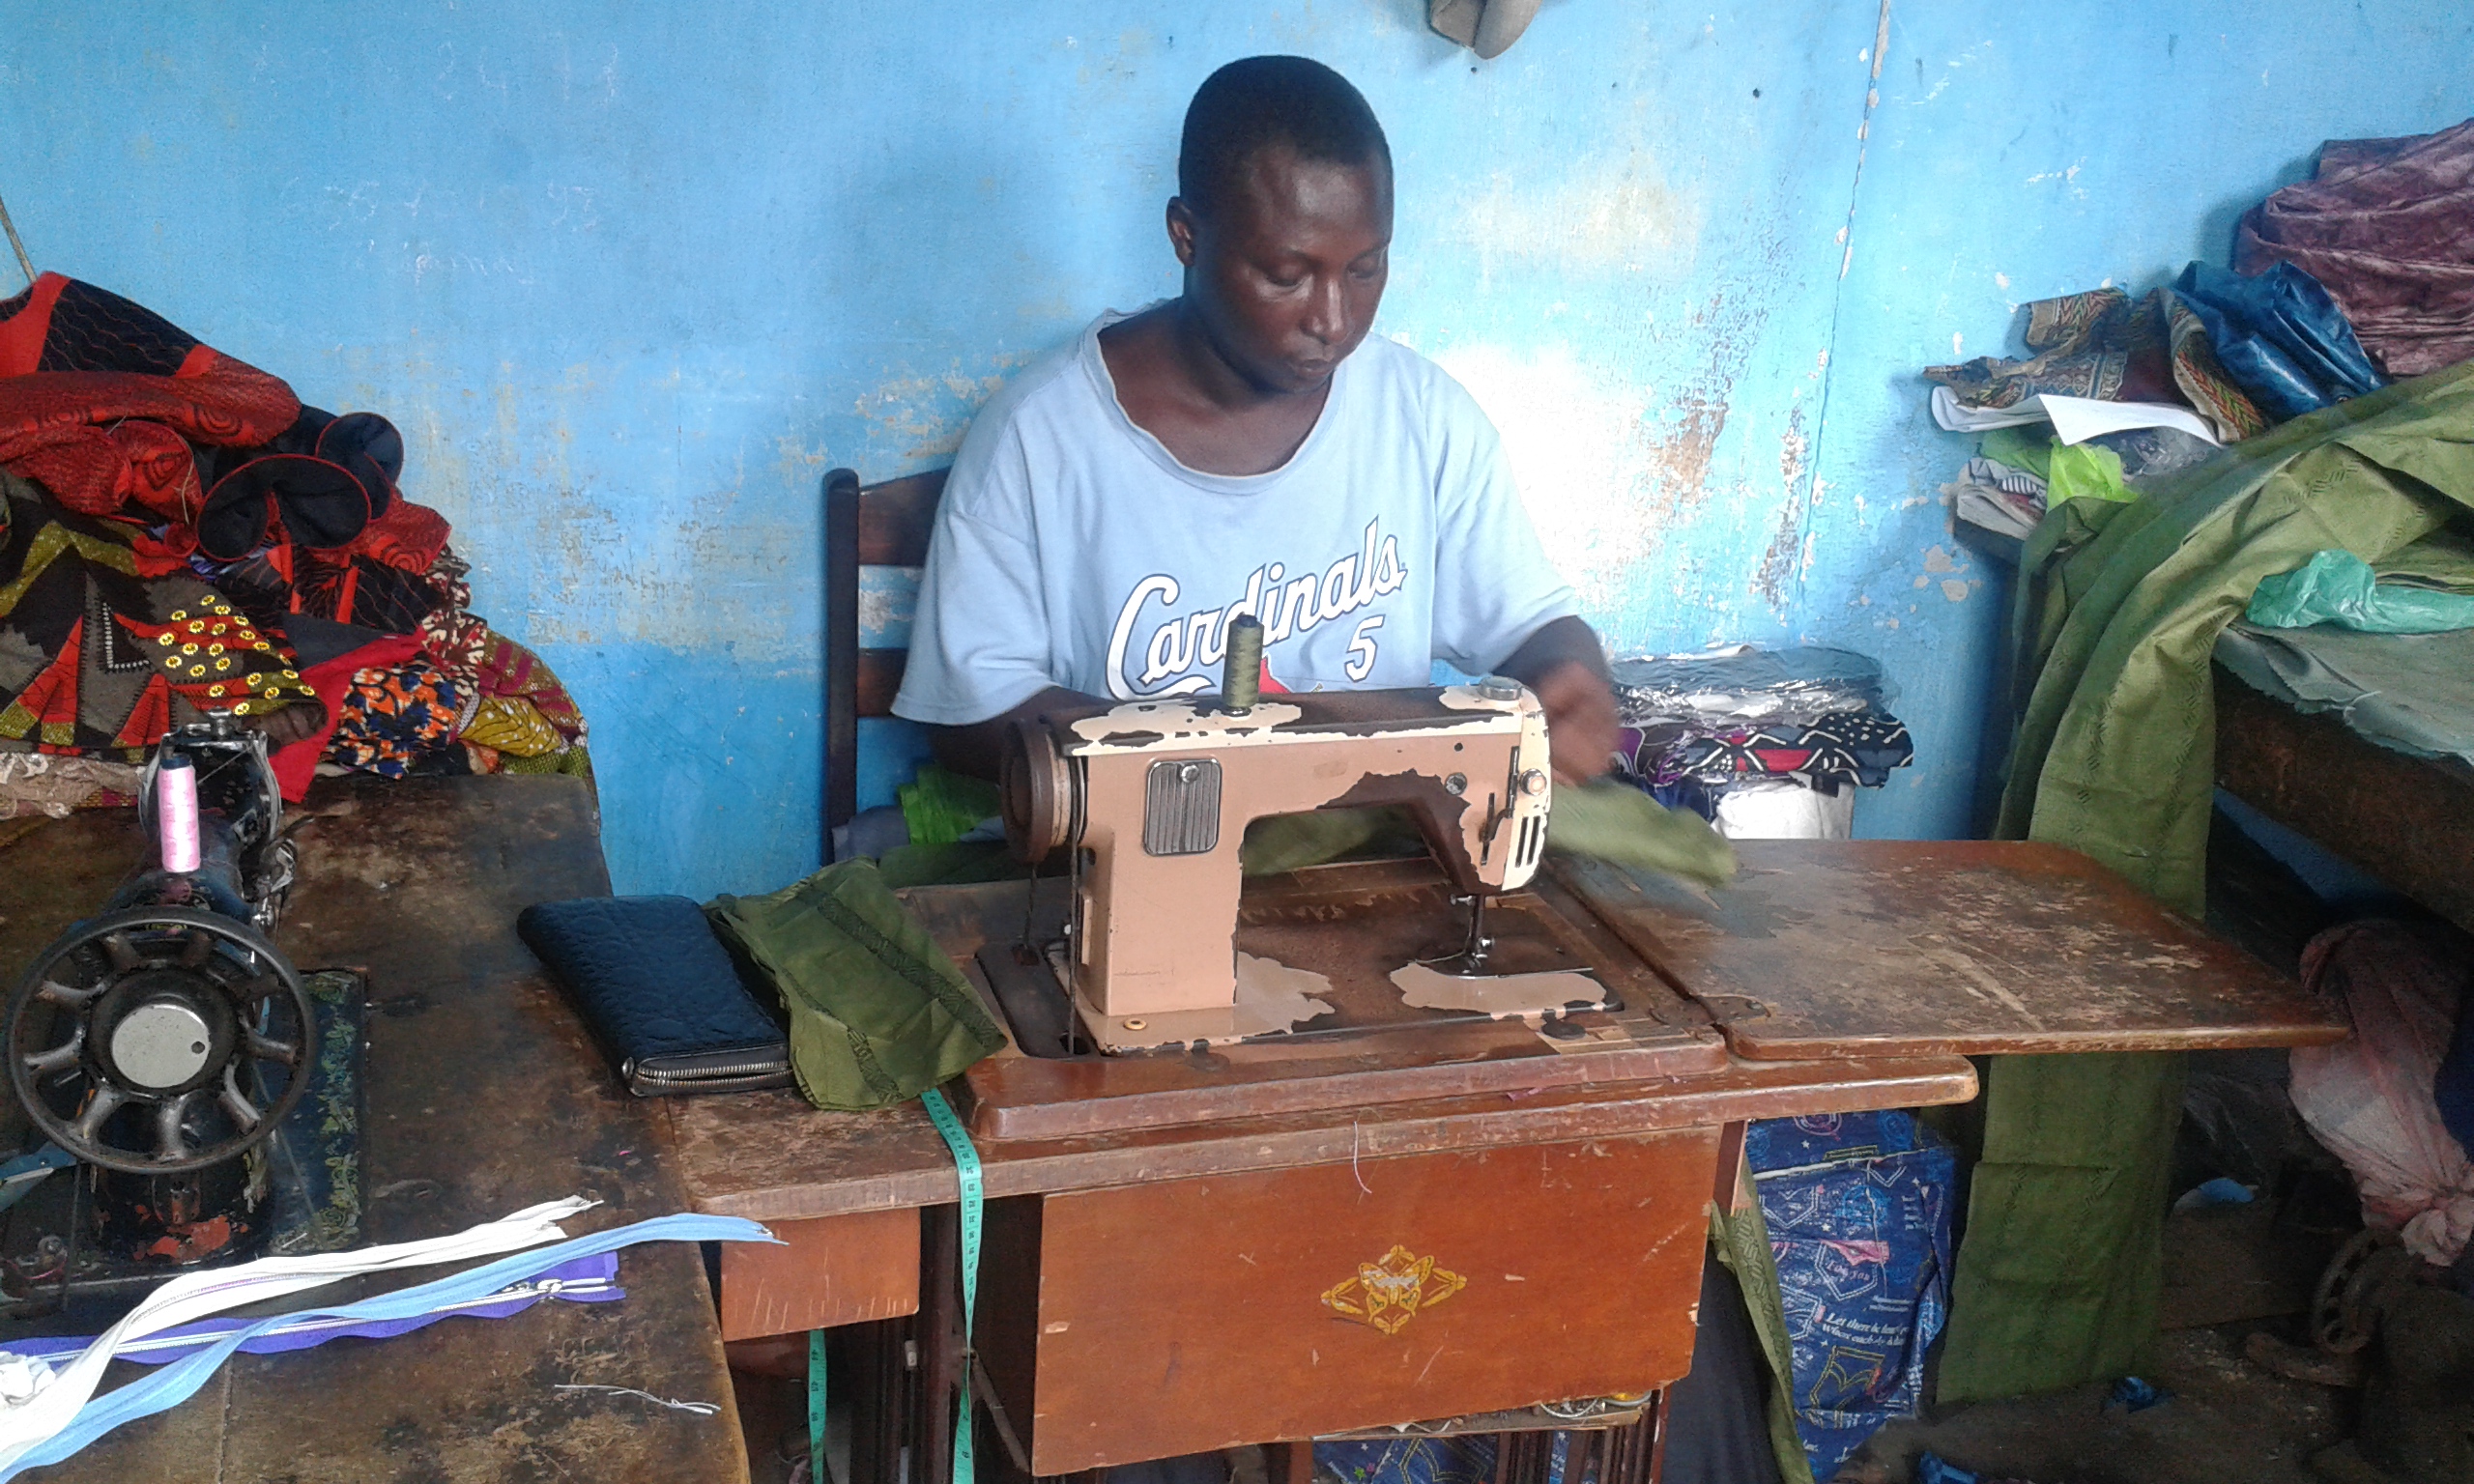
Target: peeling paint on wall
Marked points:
930	413
1618	215
1779	561
1609	468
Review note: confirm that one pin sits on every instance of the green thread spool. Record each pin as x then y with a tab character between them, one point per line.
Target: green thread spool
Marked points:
1241	675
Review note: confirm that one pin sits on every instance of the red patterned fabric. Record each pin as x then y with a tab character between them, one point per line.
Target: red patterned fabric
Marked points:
97	395
408	537
453	637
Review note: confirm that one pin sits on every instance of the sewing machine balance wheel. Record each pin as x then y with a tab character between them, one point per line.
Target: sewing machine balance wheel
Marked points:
1036	785
147	1041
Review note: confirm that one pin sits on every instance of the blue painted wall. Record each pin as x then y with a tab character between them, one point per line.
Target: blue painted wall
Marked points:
632	277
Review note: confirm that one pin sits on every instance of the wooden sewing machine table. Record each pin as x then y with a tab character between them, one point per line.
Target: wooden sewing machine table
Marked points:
1340	1236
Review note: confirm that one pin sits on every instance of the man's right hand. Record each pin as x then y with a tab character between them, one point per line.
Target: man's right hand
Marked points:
1563	665
1581	724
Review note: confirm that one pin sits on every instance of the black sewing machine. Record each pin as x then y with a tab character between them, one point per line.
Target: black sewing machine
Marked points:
160	1044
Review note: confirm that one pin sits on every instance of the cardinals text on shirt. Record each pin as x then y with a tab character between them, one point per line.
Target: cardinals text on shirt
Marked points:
1179	653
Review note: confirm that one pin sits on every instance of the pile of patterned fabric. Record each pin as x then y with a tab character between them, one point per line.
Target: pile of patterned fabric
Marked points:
2388	225
2362	274
1762	743
180	536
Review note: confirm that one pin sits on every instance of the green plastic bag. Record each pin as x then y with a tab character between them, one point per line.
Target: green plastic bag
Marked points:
2085	471
878	1013
941	806
2021	449
2339	588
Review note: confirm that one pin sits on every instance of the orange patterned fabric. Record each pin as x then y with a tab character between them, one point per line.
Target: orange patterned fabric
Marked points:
389	720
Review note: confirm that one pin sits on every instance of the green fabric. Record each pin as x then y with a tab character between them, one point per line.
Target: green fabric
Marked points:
1618	823
941	806
2339	588
2024	449
2442	559
1741	1239
1608	821
568	762
2085	471
959	864
1278	842
878	1013
2062	1267
2117	608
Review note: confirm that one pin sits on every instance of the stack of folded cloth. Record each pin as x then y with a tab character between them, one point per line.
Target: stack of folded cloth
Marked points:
1754	724
2118	393
180	536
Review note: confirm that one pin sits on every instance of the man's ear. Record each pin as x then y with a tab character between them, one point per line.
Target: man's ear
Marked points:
1183	227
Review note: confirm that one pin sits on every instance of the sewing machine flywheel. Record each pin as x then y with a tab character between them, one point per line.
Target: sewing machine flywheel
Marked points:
159	1039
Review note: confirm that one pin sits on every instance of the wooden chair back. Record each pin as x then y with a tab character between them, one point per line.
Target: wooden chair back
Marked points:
865	525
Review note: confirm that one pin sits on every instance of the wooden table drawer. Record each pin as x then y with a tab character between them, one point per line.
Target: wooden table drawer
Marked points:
1147	1321
830	1270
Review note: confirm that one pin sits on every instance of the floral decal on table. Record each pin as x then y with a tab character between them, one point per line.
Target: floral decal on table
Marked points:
1387	1295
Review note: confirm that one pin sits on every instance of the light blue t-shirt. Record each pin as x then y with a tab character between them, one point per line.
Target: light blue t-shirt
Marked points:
1072	549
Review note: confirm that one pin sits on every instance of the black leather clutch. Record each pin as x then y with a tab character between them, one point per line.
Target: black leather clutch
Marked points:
660	993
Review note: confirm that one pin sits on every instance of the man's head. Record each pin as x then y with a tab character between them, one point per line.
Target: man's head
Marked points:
1283	218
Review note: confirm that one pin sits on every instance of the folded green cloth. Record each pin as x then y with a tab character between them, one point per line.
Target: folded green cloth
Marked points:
2116	614
1279	843
878	1013
1611	821
963	862
1623	826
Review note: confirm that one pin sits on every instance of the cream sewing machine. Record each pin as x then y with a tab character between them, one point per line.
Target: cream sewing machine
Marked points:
1153	799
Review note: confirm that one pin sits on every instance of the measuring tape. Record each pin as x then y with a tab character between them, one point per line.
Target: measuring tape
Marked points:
967	1171
815	1408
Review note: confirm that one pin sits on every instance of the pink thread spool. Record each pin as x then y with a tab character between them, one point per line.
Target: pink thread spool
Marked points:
176	813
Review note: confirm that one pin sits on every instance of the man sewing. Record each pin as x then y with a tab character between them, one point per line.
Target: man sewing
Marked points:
1244	448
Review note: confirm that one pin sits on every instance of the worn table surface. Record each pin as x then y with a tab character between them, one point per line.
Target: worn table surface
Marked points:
1354	923
484	1097
1910	948
771	1157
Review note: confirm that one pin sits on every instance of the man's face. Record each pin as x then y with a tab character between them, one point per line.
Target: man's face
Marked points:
1287	272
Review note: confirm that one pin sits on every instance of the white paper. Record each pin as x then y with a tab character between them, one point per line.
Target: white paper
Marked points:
2074	419
2077	419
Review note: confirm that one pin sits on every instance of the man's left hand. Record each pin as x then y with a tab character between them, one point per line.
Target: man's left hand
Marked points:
1581	724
